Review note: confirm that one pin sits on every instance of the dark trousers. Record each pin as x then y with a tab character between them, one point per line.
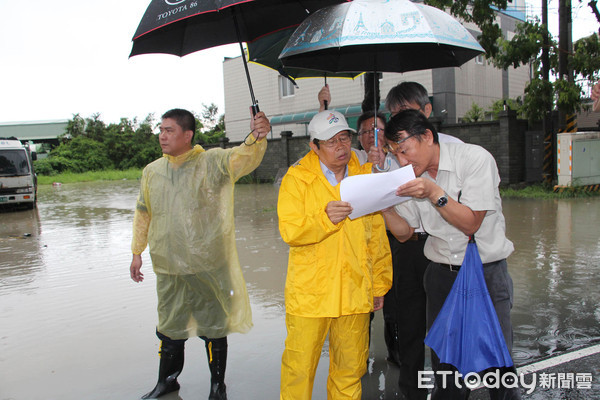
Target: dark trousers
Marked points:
438	283
404	314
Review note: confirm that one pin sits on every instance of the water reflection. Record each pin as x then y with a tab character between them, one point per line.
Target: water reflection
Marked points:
20	257
70	314
263	254
555	273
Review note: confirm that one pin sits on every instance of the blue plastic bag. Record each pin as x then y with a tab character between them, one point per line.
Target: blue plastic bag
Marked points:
466	333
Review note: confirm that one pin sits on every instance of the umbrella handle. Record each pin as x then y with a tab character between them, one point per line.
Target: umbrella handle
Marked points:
388	164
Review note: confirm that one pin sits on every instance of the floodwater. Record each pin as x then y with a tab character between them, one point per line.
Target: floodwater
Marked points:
74	326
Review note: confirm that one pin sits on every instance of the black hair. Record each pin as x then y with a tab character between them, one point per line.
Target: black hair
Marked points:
412	122
317	143
369	114
407	92
184	119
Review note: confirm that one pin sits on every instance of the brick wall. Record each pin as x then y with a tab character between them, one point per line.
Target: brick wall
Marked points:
504	139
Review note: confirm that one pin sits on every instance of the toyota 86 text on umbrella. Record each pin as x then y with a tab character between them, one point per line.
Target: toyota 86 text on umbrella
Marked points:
181	27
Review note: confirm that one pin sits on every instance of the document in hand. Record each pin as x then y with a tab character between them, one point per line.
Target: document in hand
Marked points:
374	192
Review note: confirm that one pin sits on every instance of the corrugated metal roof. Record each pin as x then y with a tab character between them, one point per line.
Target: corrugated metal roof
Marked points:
33	130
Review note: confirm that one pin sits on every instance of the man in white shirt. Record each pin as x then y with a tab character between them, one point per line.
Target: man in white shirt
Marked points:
405	327
455	195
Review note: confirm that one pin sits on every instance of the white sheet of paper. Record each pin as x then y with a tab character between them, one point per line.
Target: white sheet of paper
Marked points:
374	192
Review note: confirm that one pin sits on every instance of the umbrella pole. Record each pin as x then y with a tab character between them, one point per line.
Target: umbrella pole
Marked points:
375	108
255	109
325	102
388	162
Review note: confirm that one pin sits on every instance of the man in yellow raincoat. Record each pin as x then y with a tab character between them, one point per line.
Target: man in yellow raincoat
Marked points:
339	269
184	212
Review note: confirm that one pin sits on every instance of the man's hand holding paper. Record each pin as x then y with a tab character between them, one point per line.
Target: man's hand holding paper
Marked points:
374	192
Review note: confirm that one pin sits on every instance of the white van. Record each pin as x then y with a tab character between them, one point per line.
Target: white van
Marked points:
18	182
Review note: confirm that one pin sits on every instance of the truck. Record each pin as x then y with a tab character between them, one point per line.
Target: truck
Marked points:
18	181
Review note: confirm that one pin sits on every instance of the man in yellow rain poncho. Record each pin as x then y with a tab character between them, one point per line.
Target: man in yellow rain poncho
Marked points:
339	269
184	212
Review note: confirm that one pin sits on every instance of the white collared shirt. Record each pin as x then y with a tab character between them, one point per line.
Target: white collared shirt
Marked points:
471	171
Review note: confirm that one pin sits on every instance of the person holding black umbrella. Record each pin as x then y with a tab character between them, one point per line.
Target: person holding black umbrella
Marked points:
184	212
455	195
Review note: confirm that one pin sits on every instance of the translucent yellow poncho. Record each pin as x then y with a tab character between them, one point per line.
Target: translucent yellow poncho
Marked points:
184	212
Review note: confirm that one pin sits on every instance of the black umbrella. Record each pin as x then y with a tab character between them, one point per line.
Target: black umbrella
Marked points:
266	49
181	27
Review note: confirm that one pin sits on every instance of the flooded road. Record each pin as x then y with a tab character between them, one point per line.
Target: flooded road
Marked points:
74	326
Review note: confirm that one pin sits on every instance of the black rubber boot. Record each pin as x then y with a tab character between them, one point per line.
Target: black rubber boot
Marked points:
171	365
216	352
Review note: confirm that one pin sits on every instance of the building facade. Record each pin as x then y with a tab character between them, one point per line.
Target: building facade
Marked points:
452	90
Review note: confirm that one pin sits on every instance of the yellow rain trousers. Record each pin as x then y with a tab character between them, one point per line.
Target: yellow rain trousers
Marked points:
348	352
184	213
334	271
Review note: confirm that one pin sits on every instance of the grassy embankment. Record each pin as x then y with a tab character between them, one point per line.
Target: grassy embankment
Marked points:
108	175
537	191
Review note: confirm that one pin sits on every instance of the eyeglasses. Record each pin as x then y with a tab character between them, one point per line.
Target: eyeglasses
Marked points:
393	147
343	138
370	131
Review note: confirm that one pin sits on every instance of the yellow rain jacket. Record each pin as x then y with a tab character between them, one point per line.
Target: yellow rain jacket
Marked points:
185	213
333	270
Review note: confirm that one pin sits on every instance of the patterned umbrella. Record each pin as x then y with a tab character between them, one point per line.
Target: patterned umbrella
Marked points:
379	36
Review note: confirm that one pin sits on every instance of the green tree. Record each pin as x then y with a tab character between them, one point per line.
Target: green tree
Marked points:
80	154
585	59
526	46
474	114
512	104
88	144
541	95
75	127
92	127
211	126
130	145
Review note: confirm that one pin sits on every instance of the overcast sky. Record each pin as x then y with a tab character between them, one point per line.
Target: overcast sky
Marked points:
62	57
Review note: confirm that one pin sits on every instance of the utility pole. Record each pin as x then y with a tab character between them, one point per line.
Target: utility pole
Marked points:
549	131
567	122
594	6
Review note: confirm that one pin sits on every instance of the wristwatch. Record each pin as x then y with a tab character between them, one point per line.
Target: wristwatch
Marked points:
442	201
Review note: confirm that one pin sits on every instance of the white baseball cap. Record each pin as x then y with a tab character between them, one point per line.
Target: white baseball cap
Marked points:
327	124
